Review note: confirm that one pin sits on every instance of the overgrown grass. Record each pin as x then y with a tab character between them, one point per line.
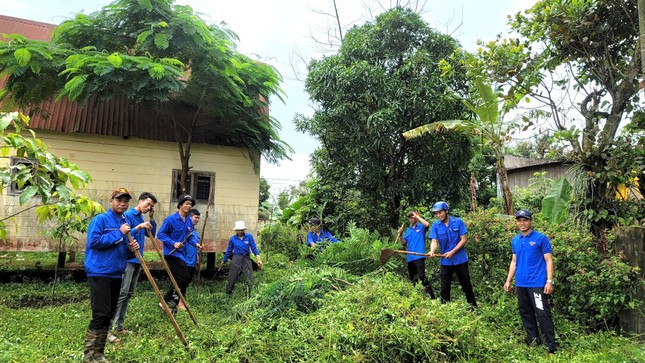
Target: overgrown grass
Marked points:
331	309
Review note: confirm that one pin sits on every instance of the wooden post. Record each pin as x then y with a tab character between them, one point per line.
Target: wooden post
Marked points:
632	241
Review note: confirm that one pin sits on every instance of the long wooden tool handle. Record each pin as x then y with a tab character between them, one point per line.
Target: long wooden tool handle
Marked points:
172	278
398	235
413	253
180	334
200	253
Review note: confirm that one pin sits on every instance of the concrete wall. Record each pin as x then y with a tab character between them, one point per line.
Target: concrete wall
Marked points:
144	165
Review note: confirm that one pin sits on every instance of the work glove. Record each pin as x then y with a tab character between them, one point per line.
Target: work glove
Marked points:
222	264
259	262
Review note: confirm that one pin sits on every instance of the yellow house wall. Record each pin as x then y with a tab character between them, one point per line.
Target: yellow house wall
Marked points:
144	165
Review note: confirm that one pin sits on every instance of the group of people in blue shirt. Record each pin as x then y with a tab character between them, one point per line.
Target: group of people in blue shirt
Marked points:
531	265
114	237
113	267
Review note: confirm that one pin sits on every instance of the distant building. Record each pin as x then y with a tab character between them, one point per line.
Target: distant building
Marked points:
125	145
521	170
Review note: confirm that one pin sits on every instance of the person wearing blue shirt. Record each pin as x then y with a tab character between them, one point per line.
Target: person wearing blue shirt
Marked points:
532	266
193	247
449	233
318	233
106	253
240	246
134	218
414	238
176	231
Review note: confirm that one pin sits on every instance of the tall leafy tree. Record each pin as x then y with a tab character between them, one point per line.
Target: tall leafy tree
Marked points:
157	52
487	124
383	81
590	51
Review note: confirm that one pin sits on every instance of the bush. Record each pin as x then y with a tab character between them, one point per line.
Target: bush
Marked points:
281	238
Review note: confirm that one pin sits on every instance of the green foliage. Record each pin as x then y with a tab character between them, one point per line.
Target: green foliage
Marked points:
51	178
315	313
303	291
143	50
531	197
358	253
555	205
384	81
282	238
602	63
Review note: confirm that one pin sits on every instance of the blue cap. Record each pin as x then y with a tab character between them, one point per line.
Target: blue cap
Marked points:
523	213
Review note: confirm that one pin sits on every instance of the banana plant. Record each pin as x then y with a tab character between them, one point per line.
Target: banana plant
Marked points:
487	124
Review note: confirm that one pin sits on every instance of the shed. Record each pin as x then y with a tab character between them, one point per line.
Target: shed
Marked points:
521	170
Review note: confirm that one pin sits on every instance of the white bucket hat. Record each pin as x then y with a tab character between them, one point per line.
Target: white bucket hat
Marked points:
239	225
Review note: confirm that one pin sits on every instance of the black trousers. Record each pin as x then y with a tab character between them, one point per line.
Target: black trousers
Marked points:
104	296
417	272
534	309
463	274
181	273
239	264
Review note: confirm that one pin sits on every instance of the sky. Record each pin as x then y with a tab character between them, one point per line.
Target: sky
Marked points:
279	32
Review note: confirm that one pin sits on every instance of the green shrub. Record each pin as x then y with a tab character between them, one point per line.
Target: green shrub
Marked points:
281	238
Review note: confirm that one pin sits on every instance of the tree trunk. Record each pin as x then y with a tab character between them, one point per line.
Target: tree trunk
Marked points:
473	192
503	181
641	38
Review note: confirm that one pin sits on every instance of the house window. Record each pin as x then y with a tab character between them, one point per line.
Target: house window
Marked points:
198	184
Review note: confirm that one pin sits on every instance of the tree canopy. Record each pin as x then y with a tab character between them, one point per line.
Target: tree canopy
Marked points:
157	52
383	81
580	60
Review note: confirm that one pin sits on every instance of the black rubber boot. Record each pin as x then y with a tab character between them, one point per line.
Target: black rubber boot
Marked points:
100	348
91	342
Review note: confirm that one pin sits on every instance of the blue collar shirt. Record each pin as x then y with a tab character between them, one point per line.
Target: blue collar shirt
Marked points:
449	237
106	251
243	246
415	237
175	229
530	265
135	218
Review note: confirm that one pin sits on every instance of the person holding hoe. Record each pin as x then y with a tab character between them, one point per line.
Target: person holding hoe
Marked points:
414	238
134	217
106	253
532	266
449	232
176	230
240	246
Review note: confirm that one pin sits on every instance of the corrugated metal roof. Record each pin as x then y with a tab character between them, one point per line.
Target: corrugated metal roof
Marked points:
116	117
28	28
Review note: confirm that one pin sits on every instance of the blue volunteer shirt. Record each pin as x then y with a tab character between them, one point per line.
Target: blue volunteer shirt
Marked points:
530	265
448	237
237	246
175	229
312	237
135	218
106	251
191	249
415	237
